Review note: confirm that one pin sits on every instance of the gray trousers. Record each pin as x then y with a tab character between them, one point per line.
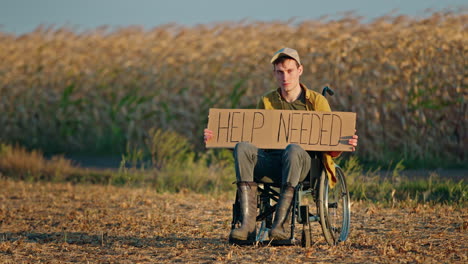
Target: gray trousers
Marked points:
290	165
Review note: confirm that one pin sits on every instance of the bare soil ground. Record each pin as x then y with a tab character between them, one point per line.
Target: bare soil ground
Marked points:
64	223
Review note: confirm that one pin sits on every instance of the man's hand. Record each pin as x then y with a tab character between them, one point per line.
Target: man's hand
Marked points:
208	134
352	141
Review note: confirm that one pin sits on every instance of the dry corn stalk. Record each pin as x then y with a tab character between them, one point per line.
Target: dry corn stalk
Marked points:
98	90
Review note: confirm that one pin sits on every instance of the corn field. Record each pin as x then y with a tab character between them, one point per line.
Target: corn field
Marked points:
99	91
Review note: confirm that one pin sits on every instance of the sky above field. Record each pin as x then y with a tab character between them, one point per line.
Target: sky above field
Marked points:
21	16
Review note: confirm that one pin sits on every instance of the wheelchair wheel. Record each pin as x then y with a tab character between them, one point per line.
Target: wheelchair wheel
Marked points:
334	208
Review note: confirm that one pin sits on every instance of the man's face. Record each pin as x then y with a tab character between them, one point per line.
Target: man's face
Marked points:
287	75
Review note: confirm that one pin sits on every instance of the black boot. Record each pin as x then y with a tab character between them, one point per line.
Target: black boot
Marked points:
247	192
280	230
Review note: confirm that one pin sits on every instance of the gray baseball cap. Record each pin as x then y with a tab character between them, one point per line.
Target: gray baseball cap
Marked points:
286	52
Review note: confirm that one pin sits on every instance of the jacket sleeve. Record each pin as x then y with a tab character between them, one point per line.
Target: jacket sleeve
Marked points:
321	104
330	166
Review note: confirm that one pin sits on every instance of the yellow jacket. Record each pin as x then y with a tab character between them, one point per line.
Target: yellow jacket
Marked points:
314	102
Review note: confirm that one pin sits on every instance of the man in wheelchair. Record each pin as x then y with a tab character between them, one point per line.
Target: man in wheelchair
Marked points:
288	167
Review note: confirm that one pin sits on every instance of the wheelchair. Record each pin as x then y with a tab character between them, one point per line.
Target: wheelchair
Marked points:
332	208
313	201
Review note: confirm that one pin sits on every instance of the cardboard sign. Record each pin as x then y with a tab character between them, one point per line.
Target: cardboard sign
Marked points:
275	129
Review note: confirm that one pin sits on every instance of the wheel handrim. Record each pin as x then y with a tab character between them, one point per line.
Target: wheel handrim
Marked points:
335	209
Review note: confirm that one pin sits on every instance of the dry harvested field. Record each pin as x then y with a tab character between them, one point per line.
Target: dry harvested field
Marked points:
62	223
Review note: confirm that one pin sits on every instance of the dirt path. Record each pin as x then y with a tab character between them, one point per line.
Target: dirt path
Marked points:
103	224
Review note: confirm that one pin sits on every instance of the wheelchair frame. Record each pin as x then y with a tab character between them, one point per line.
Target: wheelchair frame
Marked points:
332	210
332	206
